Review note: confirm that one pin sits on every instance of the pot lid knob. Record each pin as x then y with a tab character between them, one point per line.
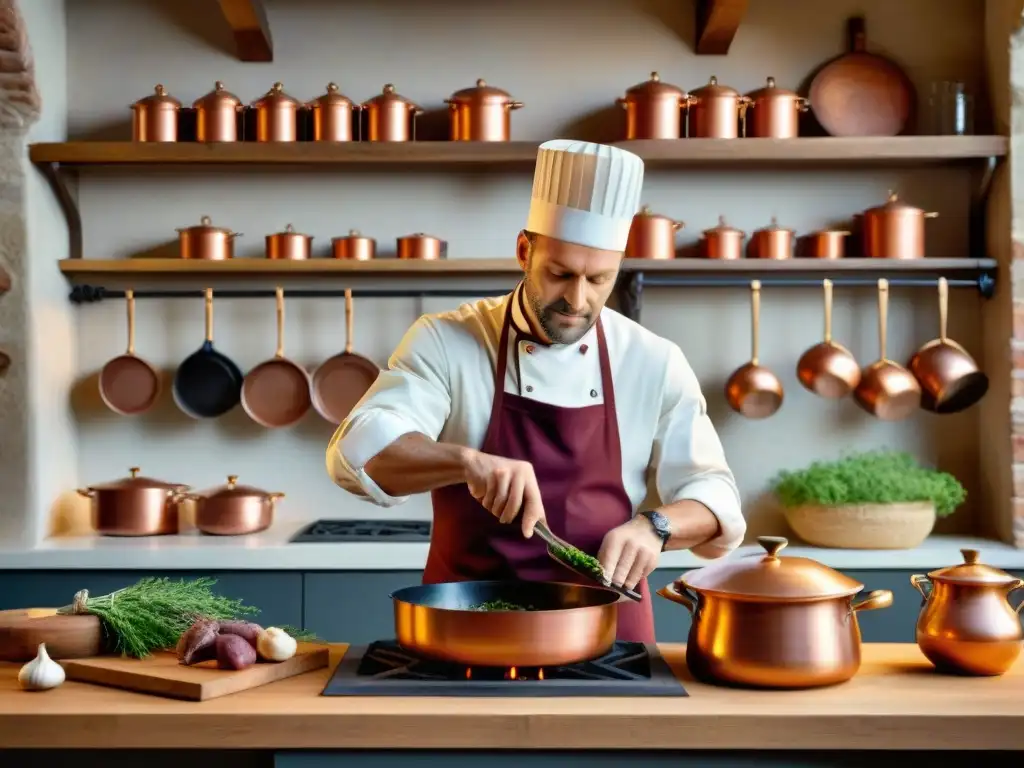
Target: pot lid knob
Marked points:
893	197
277	87
772	544
771	82
970	556
160	90
353	233
713	80
388	88
721	221
655	77
289	228
481	83
218	86
332	87
134	472
232	480
206	221
645	210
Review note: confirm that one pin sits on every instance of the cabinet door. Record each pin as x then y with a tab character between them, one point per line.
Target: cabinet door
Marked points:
353	606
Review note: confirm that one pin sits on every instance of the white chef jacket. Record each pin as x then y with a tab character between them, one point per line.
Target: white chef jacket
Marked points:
440	382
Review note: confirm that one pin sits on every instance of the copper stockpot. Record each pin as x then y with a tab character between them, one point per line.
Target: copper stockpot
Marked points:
277	115
652	236
354	246
423	247
390	117
826	244
207	242
234	510
765	621
894	230
155	118
967	625
654	110
289	245
722	242
135	506
887	390
774	113
482	113
828	369
333	115
217	115
772	242
715	111
753	390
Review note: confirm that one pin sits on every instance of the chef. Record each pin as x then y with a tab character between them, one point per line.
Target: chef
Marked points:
546	405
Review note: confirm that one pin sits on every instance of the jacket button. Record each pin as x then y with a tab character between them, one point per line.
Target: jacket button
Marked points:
529	349
529	388
593	393
583	349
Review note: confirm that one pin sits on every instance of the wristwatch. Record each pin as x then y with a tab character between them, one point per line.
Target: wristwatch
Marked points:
660	524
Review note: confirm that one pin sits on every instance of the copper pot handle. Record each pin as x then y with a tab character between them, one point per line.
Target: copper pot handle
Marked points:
275	496
879	598
918	582
621	102
677	225
803	104
930	215
514	105
88	493
680	596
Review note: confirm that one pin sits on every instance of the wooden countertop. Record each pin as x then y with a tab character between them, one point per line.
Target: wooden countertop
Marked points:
895	702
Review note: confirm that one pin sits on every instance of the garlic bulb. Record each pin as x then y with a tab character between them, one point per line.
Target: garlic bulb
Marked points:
42	673
274	644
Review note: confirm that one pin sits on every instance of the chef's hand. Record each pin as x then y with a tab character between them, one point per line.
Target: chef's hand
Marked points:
630	552
505	488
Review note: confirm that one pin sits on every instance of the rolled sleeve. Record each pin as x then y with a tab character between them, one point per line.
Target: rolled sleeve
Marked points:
413	395
689	461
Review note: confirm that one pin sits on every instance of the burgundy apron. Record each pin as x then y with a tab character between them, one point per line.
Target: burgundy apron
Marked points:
577	458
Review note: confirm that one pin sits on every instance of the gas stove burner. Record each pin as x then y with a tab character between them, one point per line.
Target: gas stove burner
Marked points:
386	669
339	531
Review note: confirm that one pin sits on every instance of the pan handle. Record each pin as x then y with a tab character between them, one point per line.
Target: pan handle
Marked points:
755	320
129	297
883	317
349	322
679	594
279	298
208	300
856	35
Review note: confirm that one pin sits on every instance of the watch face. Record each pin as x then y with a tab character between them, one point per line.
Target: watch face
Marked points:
660	523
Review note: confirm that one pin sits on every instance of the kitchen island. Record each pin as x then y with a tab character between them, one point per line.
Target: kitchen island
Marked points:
896	703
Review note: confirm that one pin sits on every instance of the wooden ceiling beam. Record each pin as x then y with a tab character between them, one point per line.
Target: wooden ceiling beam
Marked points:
248	22
717	23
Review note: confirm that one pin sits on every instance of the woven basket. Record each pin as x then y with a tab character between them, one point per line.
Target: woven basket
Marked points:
864	526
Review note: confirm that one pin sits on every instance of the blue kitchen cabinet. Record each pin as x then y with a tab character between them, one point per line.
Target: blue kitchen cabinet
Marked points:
353	606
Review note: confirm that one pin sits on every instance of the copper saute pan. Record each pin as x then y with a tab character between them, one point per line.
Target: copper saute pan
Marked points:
570	623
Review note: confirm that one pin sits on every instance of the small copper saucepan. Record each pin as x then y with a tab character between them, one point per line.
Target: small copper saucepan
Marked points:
772	242
333	115
234	510
774	112
887	389
652	236
217	115
894	230
207	242
155	117
654	109
828	369
949	377
482	113
825	244
715	111
420	246
289	245
753	390
390	116
354	246
722	242
277	115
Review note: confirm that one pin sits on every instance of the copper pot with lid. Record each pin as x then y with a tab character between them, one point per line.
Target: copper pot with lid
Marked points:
234	510
652	236
825	244
333	115
766	621
289	245
217	115
481	113
390	116
277	115
967	625
654	109
774	113
894	230
420	246
722	242
772	242
207	242
155	117
135	506
354	246
715	111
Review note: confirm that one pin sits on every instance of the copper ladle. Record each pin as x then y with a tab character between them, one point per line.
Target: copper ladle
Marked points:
887	389
949	378
828	369
753	390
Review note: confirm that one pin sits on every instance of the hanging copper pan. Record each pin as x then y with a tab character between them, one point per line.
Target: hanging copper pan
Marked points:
128	384
753	390
828	369
340	382
887	389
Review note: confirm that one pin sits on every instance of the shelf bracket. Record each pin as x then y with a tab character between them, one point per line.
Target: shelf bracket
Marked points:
978	215
631	294
717	24
248	22
68	206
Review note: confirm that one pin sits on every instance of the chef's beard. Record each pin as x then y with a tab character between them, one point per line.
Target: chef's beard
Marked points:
548	316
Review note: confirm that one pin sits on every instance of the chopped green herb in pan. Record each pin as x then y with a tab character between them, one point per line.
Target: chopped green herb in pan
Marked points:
500	605
580	560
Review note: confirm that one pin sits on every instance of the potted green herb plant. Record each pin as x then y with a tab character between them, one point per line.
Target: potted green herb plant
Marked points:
873	500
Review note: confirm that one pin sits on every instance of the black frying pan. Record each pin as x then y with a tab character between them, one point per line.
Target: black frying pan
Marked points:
207	384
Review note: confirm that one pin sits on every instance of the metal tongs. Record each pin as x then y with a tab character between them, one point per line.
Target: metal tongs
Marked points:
556	545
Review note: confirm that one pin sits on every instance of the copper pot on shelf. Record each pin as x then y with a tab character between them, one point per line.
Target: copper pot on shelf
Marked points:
289	245
967	625
722	242
217	115
207	242
135	506
155	117
390	117
481	113
774	113
354	246
333	115
277	115
766	621
234	510
825	244
652	236
715	111
654	109
772	242
894	230
423	247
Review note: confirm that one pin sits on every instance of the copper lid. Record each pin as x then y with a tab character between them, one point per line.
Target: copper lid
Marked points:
420	236
353	234
646	213
290	230
893	205
205	225
972	572
768	576
137	483
722	228
713	89
655	87
233	490
276	97
333	97
770	91
388	95
160	99
774	227
217	97
481	93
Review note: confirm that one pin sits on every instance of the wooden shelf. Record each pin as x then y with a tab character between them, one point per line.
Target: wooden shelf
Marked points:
901	150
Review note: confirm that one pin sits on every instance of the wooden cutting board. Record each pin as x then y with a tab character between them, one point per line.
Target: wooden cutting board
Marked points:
162	675
66	637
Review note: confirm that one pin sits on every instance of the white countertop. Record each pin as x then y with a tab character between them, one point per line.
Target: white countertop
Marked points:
270	551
